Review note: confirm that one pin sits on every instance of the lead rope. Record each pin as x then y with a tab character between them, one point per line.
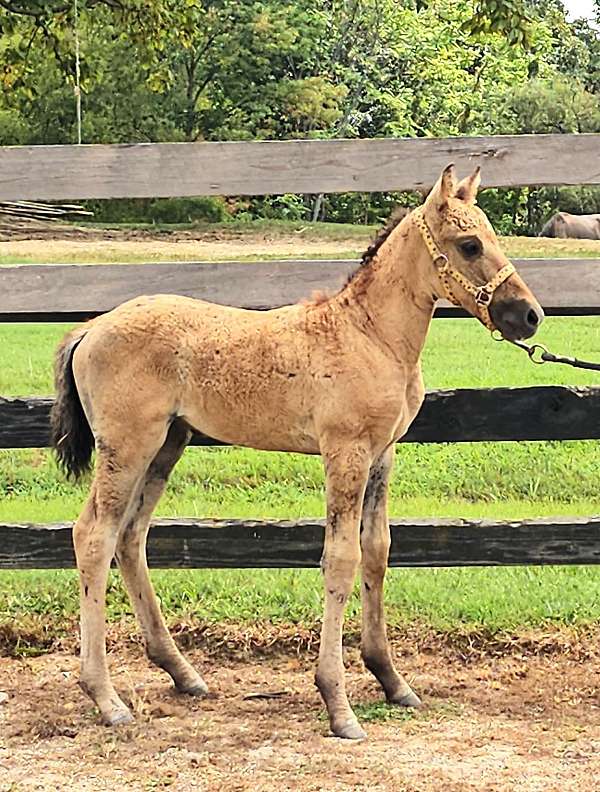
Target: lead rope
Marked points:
545	356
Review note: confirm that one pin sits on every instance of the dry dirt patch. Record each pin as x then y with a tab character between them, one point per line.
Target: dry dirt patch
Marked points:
76	245
516	722
71	244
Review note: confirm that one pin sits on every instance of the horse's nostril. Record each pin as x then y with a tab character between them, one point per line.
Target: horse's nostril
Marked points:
532	318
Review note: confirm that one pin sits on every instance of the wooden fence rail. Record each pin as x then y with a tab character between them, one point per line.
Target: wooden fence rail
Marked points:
300	166
185	544
551	412
62	292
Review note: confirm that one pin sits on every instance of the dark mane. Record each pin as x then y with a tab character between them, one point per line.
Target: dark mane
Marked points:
396	217
398	214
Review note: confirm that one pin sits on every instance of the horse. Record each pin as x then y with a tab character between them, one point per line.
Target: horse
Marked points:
337	375
570	226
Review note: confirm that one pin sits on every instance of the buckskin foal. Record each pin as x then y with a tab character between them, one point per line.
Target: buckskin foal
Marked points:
337	376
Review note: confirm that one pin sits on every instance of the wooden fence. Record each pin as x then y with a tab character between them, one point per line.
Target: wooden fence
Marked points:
68	293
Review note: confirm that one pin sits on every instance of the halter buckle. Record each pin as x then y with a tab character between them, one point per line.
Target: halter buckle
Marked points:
483	297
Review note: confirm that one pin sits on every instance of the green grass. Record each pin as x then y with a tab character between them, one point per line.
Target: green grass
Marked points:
320	232
522	247
458	353
247	241
470	479
498	599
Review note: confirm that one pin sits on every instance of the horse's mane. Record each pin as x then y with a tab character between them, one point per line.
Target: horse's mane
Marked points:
370	253
396	217
398	214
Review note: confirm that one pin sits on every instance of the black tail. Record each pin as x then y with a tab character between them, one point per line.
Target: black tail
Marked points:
71	436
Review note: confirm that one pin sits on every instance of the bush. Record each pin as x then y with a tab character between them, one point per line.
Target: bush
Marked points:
187	210
159	210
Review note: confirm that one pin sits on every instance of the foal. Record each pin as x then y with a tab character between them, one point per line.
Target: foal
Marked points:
339	377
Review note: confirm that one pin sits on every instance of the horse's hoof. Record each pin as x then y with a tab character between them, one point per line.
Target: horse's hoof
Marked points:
351	730
199	689
118	718
407	700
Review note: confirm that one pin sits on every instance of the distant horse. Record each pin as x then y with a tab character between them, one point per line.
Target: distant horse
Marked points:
339	376
570	226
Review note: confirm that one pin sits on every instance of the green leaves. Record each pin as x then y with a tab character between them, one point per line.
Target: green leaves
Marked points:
505	17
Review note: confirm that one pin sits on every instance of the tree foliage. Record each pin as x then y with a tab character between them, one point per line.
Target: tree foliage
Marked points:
275	69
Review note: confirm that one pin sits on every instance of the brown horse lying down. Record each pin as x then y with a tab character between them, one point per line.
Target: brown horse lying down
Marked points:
570	226
339	376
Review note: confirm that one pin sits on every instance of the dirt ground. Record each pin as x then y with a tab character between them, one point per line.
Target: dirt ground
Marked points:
91	245
81	245
514	722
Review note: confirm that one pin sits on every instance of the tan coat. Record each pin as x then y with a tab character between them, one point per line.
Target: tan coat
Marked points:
337	376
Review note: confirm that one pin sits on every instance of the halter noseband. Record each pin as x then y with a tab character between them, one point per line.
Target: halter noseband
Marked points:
483	294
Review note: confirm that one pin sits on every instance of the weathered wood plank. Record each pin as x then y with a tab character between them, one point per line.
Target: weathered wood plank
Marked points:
189	544
447	416
303	166
66	293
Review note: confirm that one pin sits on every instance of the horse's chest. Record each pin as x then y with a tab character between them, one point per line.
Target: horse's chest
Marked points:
405	407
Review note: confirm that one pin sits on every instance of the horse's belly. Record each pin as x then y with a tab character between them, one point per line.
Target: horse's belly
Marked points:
262	429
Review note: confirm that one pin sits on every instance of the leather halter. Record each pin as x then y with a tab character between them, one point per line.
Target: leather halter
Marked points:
483	294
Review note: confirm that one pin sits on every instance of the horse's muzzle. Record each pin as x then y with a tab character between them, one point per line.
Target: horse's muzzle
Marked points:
516	318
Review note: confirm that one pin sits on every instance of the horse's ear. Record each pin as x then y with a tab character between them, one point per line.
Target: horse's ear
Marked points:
447	182
467	189
443	189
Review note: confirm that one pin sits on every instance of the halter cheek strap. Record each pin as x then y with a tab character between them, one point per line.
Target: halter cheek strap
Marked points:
483	294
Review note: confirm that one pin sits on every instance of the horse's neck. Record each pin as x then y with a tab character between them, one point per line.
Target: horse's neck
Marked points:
393	296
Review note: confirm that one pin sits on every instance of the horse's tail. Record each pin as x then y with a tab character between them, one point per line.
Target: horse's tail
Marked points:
71	435
548	228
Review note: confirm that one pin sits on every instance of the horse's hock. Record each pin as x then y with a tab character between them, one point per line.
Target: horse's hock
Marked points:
70	293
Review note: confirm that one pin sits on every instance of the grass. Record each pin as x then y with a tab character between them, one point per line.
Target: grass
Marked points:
458	353
496	480
503	480
274	229
381	712
162	254
472	479
505	599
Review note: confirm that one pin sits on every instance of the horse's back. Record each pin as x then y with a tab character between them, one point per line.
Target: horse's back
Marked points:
570	226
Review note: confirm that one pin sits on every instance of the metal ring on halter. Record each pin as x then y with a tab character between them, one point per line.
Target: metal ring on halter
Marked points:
532	350
498	337
443	258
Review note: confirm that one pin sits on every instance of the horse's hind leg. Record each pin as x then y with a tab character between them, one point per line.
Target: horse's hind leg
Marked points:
131	556
375	546
94	550
119	472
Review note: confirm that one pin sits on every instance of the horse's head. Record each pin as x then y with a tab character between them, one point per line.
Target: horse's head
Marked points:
470	269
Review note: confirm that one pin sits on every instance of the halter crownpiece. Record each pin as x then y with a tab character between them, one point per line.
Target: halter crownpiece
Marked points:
483	294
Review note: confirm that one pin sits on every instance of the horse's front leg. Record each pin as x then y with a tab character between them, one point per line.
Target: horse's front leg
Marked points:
375	547
346	471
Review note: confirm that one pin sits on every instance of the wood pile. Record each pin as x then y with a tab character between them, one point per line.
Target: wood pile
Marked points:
29	210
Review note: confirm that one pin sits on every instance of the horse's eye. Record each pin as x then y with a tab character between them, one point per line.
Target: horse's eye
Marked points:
470	248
